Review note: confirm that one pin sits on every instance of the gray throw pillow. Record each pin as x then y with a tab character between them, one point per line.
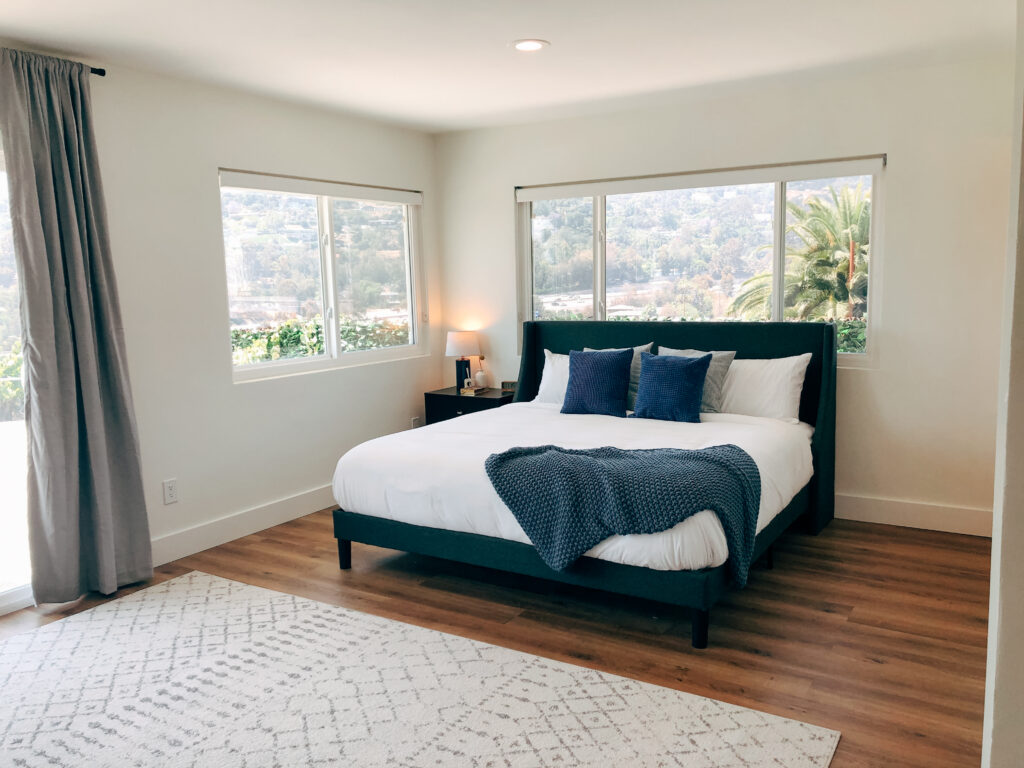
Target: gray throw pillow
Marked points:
634	372
720	362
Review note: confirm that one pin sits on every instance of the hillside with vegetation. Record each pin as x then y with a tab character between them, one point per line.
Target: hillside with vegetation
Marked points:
276	295
706	254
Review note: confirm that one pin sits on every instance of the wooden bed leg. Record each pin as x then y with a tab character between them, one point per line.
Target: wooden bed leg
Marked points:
769	557
699	630
344	554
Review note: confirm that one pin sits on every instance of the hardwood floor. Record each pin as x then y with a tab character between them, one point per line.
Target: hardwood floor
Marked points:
875	631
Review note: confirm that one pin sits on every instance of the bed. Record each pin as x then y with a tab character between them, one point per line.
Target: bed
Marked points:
426	490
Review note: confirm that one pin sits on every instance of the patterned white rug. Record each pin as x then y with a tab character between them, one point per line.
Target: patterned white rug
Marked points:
202	671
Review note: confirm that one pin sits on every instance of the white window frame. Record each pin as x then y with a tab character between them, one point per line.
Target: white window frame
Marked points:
325	191
779	175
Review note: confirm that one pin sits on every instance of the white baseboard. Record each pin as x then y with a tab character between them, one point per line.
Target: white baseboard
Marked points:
188	541
976	521
15	599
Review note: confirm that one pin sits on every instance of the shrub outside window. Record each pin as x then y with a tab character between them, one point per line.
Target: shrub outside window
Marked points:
12	395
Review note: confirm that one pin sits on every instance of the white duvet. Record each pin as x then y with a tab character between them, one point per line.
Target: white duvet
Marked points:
435	476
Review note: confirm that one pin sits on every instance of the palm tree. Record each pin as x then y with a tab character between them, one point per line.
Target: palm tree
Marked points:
827	275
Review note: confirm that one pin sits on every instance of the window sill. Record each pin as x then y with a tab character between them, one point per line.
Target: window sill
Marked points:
865	361
16	598
285	368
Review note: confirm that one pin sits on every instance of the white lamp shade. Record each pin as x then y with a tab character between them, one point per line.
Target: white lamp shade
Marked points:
462	344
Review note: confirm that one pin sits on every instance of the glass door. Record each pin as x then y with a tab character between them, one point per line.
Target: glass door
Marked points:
15	571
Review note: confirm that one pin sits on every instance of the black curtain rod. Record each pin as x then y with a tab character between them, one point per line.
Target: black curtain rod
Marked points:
98	71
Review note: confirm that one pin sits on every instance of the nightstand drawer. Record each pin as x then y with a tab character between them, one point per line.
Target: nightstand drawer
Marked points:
441	408
444	404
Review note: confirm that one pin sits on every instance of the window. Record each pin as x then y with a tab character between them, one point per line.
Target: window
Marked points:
681	253
15	569
828	234
771	243
563	259
319	274
371	274
12	397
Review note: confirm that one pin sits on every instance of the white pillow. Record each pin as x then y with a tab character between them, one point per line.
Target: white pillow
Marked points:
554	380
769	388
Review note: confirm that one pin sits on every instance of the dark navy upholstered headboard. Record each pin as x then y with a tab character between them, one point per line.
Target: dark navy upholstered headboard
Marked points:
750	340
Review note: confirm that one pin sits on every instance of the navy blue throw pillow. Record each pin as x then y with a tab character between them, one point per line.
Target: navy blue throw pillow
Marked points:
671	387
598	382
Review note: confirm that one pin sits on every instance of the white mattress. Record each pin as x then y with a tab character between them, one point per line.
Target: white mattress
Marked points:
435	477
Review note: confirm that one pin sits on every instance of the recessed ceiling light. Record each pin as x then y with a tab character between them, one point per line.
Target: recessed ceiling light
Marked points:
530	45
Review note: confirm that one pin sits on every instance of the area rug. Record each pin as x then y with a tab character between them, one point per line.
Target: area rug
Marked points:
202	671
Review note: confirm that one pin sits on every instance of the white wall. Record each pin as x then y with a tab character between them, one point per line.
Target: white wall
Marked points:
917	433
915	436
1004	688
268	446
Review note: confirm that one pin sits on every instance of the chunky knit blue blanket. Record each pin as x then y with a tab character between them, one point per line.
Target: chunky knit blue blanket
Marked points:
568	500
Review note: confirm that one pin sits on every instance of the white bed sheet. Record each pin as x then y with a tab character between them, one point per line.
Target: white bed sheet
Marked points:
435	477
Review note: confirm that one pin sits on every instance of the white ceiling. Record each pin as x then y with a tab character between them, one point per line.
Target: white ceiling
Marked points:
442	64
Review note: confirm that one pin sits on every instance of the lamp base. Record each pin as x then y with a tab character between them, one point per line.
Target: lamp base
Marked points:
462	372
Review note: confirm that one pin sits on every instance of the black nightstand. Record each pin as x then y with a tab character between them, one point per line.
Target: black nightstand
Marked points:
443	404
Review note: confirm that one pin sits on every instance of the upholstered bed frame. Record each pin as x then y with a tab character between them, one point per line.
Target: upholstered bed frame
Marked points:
698	590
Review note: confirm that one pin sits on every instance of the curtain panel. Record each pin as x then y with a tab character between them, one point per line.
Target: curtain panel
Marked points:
88	528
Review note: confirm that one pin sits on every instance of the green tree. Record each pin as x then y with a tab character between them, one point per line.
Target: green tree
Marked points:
827	271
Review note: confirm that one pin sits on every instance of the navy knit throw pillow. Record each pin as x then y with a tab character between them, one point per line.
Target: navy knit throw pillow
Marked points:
598	382
671	387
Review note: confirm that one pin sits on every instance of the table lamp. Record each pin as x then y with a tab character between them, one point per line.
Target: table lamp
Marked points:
462	345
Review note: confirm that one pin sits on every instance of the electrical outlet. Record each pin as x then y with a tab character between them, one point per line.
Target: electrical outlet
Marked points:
414	422
171	491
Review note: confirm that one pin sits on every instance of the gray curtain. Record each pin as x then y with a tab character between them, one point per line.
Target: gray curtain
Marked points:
88	529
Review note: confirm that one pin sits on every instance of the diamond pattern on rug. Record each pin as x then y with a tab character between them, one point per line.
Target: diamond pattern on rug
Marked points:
202	671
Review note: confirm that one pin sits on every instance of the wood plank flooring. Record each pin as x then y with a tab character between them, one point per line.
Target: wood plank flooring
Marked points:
873	630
